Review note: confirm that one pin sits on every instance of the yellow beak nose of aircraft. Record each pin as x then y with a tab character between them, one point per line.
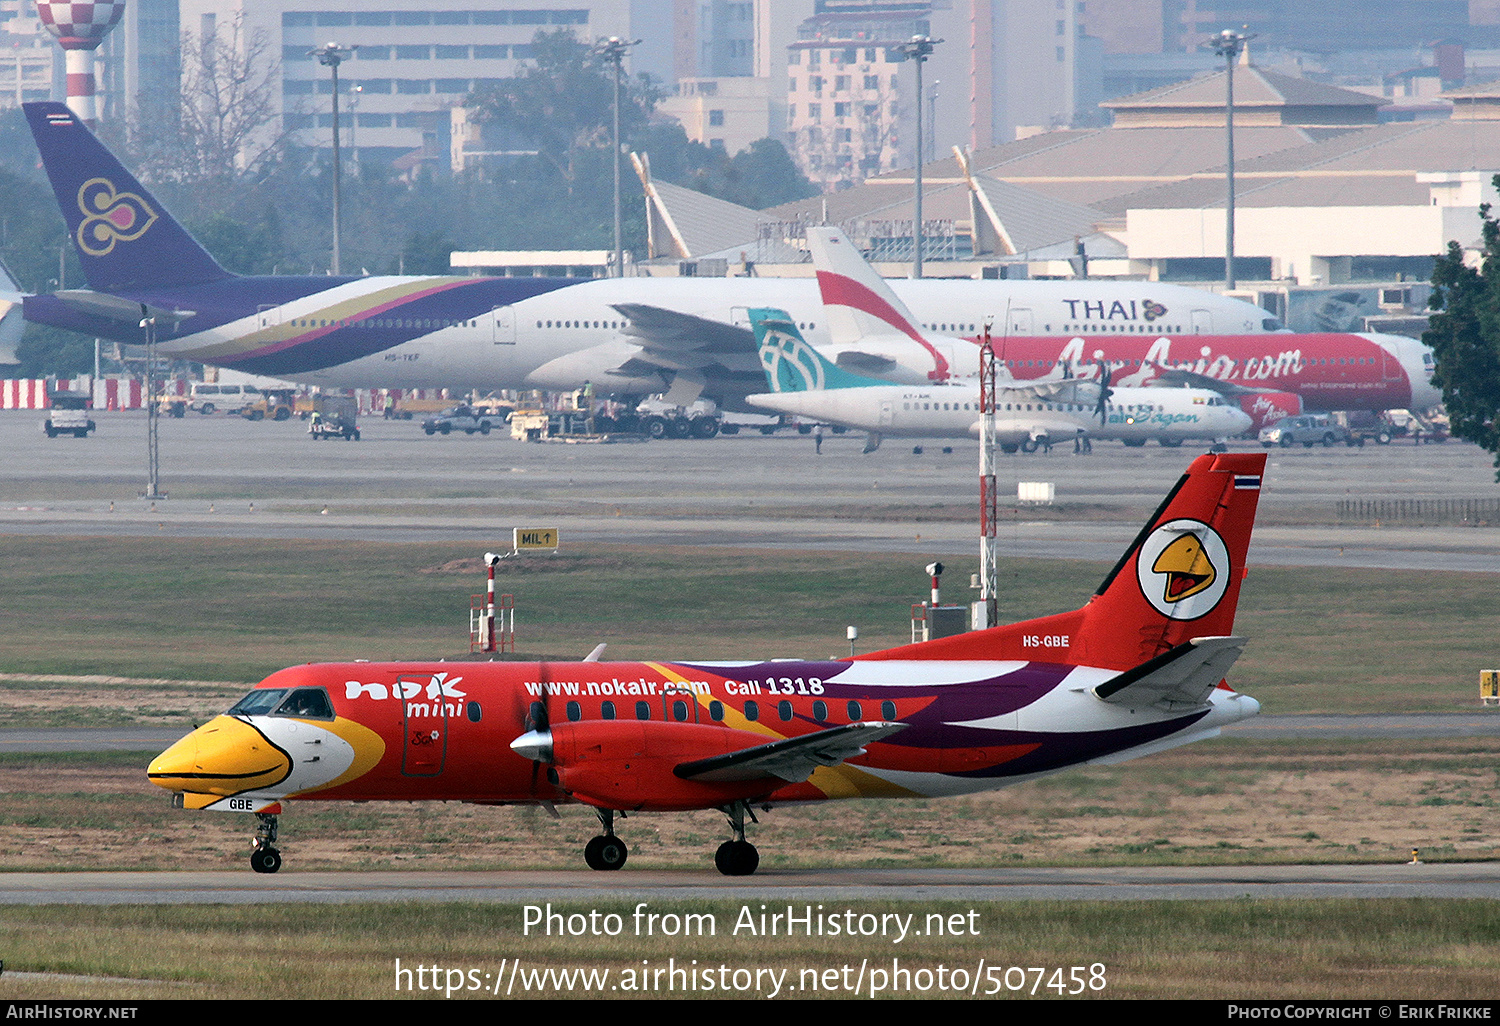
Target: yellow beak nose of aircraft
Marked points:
224	756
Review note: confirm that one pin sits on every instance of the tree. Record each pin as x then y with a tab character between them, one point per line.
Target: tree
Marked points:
225	121
1464	335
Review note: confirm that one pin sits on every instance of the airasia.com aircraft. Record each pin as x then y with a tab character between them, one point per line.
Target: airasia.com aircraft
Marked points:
1138	669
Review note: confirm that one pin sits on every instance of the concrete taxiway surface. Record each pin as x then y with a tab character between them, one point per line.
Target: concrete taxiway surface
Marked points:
1438	880
231	478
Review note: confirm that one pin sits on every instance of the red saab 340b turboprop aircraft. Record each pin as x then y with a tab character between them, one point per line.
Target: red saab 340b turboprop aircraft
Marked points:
1139	669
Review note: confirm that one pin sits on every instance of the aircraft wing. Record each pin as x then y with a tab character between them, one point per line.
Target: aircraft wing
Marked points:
1080	391
1183	676
117	308
1192	379
792	759
671	332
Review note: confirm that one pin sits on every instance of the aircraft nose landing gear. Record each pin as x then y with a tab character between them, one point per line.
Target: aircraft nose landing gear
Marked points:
264	857
737	857
606	851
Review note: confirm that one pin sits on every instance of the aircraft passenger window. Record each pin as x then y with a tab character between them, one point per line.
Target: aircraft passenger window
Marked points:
257	703
784	710
607	711
855	712
716	711
308	702
888	710
643	710
752	710
820	710
475	713
575	712
679	711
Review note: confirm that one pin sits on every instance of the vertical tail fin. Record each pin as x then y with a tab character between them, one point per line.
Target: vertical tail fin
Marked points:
1178	580
124	236
791	365
858	303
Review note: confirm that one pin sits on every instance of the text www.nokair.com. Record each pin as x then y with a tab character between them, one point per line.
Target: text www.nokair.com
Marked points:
514	977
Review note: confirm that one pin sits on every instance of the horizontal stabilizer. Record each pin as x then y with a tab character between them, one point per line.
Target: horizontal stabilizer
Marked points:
792	759
1182	676
116	308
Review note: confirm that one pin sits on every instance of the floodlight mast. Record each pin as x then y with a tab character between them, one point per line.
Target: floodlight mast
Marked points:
918	49
331	56
612	51
1229	44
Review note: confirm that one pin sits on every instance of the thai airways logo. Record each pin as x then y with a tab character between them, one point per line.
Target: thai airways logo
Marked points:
1151	310
110	216
1183	569
791	364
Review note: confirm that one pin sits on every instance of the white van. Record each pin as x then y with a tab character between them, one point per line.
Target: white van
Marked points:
207	398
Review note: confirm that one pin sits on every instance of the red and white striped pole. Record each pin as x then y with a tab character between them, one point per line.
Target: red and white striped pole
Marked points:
490	559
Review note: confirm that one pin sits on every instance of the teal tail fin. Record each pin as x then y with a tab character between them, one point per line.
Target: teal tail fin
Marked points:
790	363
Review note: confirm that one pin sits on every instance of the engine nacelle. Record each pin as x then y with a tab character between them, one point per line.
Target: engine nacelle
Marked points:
628	764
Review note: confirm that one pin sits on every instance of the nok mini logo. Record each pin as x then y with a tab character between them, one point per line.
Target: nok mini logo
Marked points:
1183	569
790	362
110	216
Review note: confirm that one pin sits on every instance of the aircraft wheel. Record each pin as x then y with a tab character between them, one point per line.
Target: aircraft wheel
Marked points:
265	859
605	852
1029	445
737	858
679	427
654	427
704	427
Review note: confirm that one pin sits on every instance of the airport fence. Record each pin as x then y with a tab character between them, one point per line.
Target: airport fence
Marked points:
1418	512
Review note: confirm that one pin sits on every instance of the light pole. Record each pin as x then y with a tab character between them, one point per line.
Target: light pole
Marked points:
918	49
331	56
612	51
1229	44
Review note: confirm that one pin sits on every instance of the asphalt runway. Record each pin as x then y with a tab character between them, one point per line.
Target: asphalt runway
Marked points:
227	477
625	887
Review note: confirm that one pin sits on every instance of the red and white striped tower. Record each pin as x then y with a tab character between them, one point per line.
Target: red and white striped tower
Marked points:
80	28
988	500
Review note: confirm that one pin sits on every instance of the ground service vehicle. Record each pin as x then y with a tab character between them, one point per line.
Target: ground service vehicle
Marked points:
68	415
334	416
1138	669
458	418
1308	430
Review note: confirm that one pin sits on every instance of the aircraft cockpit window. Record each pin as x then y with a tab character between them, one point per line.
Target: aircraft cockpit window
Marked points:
311	703
1271	324
258	703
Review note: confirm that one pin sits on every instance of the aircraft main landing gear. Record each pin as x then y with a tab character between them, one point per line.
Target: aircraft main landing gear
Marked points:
737	857
265	857
606	851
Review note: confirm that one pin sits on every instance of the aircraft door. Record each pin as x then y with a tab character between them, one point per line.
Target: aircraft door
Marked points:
1019	322
1391	369
503	325
424	726
887	412
1203	322
267	315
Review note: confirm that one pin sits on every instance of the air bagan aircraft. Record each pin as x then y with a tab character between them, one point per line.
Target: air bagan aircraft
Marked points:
1028	414
628	336
1138	669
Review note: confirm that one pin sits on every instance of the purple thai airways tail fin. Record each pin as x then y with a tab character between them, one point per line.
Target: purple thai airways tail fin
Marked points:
124	236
